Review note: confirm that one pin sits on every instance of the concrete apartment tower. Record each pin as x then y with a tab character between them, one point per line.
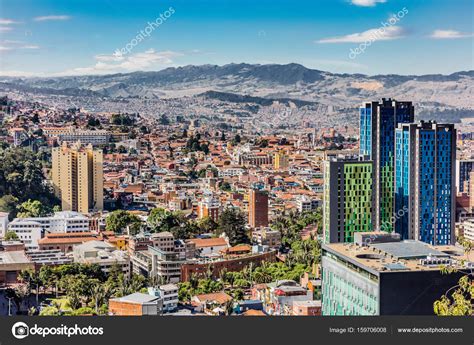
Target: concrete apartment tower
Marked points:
77	175
258	208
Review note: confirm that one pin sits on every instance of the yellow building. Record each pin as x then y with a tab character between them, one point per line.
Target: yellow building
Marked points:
77	175
281	161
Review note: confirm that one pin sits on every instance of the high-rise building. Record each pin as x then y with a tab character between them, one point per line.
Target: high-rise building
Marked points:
425	182
77	175
258	208
281	161
464	167
378	121
348	198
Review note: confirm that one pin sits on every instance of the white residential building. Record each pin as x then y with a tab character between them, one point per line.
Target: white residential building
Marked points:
28	232
468	226
305	203
169	294
62	222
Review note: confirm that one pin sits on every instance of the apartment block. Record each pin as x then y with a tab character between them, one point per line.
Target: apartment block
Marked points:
348	198
77	175
425	182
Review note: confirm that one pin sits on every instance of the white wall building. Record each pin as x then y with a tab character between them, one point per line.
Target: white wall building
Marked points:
28	231
468	226
62	222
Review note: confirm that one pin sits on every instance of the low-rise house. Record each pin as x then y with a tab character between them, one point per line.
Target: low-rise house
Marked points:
209	246
306	308
211	303
136	304
65	242
11	264
278	297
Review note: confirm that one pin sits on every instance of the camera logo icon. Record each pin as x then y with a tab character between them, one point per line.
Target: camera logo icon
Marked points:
20	330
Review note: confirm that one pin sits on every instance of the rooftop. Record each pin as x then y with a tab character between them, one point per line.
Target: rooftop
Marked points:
137	298
396	256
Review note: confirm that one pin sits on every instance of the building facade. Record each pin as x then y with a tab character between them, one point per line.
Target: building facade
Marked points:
348	198
385	276
425	182
378	121
258	208
77	175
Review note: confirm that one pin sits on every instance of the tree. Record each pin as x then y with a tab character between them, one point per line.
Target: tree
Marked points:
118	220
8	204
206	225
458	300
11	236
21	176
32	208
232	223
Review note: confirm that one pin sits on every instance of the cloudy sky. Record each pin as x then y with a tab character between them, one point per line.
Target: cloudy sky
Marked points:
76	37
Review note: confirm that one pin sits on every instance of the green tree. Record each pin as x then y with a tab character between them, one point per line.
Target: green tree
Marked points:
118	220
11	236
8	204
232	223
32	208
459	299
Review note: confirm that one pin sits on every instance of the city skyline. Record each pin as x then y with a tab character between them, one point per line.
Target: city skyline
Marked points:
45	38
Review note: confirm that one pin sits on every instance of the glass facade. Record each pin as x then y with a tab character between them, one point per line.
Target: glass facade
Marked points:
378	121
425	153
347	289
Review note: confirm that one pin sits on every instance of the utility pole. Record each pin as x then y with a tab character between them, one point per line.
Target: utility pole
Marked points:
9	305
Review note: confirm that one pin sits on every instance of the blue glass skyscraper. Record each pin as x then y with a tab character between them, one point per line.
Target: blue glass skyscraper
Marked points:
425	156
378	121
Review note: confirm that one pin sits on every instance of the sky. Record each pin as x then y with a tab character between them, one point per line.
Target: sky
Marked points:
80	37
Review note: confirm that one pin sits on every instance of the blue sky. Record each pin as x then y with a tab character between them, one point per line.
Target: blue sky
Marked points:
46	37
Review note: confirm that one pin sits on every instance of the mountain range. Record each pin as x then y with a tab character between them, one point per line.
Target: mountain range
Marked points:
451	95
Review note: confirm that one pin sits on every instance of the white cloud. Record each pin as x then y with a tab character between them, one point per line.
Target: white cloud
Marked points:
16	45
115	63
450	34
5	21
379	34
20	74
51	17
367	3
5	28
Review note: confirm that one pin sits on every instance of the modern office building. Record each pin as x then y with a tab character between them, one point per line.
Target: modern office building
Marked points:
378	121
258	208
381	275
77	175
464	167
348	198
425	182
